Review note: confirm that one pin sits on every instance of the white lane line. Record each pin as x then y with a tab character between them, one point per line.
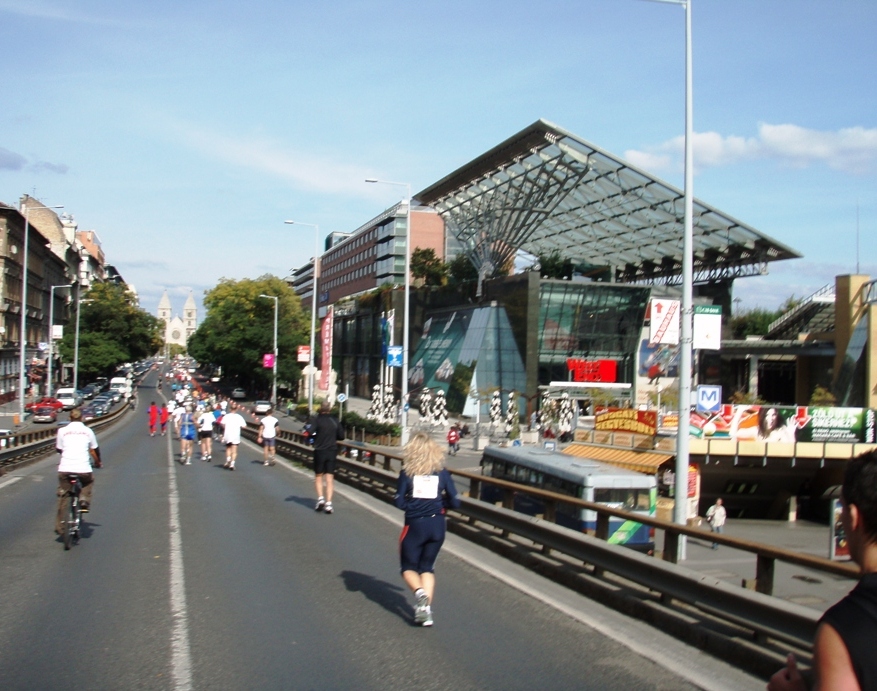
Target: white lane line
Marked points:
10	481
181	656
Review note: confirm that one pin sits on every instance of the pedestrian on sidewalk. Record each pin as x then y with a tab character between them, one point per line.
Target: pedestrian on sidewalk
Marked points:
715	516
453	440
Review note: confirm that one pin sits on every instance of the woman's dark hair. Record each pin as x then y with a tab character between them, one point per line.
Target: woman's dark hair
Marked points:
860	488
763	429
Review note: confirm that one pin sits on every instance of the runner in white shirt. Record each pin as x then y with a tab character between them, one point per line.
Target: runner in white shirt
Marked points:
205	434
268	436
232	423
77	445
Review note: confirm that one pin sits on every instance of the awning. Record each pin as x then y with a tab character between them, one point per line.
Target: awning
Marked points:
639	461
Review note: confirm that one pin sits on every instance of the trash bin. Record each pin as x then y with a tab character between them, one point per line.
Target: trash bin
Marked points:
15	419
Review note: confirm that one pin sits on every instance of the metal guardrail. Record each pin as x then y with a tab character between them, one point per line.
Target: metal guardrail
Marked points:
25	446
755	610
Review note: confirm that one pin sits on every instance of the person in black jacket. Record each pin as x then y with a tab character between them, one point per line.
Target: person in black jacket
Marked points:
425	491
326	431
843	649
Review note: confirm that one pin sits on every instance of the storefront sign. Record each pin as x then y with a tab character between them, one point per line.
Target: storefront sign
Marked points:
593	370
627	420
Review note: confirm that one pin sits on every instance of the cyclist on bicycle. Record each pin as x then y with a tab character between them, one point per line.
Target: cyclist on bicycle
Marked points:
77	445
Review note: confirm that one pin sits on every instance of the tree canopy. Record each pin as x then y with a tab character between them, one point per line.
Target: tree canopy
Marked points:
112	330
238	330
428	267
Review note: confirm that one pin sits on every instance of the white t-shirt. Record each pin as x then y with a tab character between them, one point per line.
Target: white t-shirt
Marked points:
233	424
74	441
205	422
269	427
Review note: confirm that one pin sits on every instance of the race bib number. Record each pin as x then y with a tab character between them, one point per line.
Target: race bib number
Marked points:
425	487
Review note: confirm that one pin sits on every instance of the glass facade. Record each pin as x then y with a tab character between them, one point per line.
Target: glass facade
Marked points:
589	321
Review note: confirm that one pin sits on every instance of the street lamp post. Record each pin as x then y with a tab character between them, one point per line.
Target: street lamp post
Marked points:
313	312
274	383
79	302
407	328
22	336
51	336
685	350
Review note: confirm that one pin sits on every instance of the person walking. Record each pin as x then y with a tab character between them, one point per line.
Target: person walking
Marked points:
163	416
453	440
326	432
843	647
425	491
715	516
268	436
152	414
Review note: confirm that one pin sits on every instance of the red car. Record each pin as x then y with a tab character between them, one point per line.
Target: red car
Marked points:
45	401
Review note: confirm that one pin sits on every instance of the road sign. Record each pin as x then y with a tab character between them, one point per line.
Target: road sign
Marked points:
342	397
304	353
394	356
709	399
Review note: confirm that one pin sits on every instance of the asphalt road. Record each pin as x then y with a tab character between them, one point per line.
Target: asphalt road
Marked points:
194	577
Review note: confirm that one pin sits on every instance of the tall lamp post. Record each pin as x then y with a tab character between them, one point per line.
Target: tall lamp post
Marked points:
313	311
407	328
274	383
50	368
685	350
79	302
22	335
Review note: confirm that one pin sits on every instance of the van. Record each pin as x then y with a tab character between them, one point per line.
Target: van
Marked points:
120	384
68	397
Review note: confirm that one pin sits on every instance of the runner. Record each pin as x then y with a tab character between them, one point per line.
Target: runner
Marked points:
164	413
185	424
205	434
232	423
152	412
268	436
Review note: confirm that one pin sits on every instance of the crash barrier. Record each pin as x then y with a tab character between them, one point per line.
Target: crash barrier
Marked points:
24	447
748	627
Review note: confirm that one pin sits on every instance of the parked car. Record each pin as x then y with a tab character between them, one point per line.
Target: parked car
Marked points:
261	407
89	391
98	407
45	401
238	393
45	413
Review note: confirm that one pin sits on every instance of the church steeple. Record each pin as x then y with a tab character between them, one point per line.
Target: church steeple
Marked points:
164	308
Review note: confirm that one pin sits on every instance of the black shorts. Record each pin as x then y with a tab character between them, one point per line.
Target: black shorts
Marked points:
205	434
324	461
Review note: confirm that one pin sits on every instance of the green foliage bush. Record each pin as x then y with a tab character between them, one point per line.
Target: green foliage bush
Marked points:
370	426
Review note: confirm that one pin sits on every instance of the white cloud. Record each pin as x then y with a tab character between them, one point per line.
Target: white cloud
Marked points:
852	150
53	12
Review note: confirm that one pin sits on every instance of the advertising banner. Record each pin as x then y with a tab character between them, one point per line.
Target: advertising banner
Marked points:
664	320
707	327
627	420
326	340
592	370
268	361
786	424
304	353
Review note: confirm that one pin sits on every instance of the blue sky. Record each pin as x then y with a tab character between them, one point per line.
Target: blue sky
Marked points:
185	133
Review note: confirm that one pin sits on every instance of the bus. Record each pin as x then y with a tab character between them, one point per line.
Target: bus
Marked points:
582	478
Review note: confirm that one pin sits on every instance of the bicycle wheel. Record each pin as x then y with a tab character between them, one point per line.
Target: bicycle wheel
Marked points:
69	523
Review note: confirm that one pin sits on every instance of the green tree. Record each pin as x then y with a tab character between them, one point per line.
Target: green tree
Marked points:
238	330
753	322
112	330
461	270
555	265
427	267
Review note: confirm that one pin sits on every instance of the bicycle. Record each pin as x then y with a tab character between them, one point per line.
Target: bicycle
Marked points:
70	530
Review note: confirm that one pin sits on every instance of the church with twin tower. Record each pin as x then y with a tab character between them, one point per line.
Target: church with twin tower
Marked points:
176	329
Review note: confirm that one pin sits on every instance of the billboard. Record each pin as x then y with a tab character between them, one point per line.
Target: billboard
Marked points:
627	420
786	424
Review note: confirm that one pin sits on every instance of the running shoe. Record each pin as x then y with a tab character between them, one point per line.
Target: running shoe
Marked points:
328	508
428	621
320	504
421	610
266	464
83	507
